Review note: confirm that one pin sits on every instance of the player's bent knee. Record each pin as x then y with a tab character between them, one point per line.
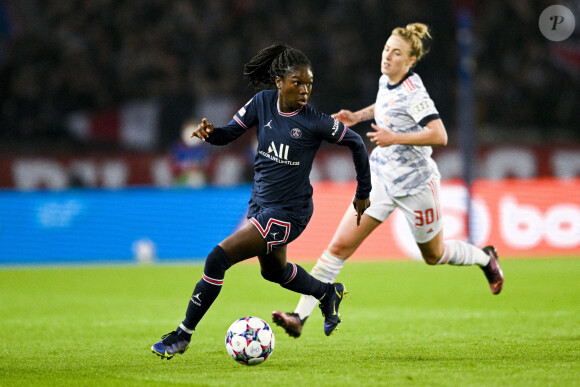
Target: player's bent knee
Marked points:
340	250
275	276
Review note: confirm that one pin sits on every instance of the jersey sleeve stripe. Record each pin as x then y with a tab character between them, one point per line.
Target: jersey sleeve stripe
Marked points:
342	135
240	122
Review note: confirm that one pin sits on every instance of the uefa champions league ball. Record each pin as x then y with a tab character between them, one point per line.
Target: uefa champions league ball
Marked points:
250	340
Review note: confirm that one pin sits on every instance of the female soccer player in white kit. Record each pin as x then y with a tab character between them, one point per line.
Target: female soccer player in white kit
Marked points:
403	174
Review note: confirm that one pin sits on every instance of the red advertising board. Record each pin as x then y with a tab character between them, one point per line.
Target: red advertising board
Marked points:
521	218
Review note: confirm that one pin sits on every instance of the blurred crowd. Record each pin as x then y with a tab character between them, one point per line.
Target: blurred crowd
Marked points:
62	56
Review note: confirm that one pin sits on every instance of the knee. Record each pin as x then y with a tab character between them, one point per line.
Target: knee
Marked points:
216	263
340	249
275	276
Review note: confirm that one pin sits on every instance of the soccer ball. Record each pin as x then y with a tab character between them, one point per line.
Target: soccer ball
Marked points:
250	340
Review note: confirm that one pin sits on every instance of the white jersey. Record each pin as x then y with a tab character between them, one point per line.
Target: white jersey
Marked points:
404	108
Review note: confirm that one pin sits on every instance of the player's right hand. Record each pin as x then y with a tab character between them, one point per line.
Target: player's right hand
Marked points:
203	130
347	117
360	205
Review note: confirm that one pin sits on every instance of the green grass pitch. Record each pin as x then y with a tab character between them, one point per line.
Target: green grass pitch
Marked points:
404	323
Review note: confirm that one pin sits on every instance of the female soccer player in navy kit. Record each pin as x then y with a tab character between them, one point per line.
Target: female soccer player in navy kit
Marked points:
404	175
289	134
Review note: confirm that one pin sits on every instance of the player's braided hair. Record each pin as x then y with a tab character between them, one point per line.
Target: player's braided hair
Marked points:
274	61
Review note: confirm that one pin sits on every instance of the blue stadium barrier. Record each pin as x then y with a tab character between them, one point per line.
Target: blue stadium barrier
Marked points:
96	225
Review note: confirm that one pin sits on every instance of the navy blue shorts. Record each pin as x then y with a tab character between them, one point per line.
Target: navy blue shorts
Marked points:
278	226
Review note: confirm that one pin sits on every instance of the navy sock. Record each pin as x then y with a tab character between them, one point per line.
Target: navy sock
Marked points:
183	333
297	279
206	290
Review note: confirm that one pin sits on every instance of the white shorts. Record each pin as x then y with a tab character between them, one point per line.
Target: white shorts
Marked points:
422	210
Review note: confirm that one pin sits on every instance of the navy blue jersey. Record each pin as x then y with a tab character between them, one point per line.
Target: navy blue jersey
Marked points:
287	145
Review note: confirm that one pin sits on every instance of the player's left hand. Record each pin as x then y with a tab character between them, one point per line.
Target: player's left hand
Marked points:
360	205
381	136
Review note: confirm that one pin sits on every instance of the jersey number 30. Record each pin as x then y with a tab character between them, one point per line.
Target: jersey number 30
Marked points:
424	217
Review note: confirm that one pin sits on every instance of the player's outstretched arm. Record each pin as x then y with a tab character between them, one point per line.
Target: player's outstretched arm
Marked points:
220	135
348	118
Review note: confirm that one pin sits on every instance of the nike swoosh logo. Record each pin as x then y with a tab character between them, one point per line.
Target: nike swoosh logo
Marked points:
334	308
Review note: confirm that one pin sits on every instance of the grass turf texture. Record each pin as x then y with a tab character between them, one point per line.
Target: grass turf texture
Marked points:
404	323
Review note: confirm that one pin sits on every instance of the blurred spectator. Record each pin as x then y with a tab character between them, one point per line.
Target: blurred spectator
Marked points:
189	158
71	55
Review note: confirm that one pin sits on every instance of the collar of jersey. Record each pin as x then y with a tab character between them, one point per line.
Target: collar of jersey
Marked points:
287	114
391	87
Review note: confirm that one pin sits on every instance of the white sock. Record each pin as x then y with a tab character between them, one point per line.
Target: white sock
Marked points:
460	253
326	269
185	329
